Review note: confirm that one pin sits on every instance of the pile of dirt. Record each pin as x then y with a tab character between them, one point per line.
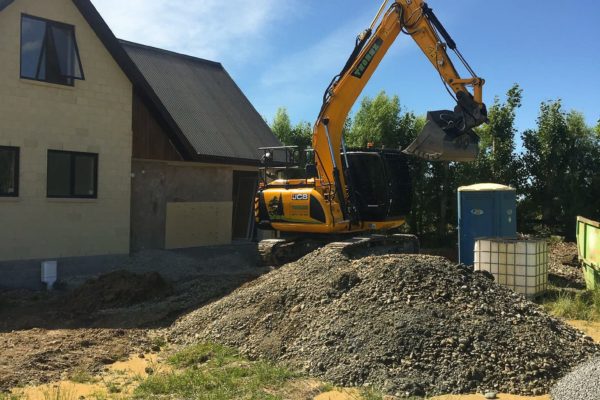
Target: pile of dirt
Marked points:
564	267
117	289
38	356
406	324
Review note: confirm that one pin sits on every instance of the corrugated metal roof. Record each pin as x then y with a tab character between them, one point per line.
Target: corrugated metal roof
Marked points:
209	108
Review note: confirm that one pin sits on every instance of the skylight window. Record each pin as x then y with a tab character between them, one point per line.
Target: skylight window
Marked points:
49	51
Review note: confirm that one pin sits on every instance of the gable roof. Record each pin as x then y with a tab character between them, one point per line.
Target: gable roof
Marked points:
208	117
207	105
5	3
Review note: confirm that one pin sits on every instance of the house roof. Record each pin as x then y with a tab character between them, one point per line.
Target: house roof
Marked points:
210	109
4	4
208	117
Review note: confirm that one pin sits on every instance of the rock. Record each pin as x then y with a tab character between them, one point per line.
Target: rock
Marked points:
491	395
397	322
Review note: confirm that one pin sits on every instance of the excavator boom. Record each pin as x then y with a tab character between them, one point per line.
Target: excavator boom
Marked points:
361	191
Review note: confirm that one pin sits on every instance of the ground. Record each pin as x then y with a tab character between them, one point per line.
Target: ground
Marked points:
111	343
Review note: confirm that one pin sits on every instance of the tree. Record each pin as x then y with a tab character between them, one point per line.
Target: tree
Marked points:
561	157
497	161
281	126
376	121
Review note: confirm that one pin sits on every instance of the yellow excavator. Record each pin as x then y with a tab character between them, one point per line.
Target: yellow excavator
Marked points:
356	196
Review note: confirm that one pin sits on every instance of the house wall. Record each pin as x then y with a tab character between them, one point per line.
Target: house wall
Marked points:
93	116
180	204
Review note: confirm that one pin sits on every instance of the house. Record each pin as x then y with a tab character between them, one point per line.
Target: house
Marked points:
108	146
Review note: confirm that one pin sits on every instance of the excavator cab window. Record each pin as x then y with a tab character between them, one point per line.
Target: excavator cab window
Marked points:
381	184
370	185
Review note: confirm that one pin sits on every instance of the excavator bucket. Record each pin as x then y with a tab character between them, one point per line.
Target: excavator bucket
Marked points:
445	137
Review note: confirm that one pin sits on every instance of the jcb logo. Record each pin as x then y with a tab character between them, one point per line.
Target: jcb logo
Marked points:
303	196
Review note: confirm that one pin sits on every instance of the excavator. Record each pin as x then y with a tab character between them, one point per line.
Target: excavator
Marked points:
356	198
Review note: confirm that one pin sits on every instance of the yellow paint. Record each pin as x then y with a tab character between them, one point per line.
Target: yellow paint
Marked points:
194	224
92	116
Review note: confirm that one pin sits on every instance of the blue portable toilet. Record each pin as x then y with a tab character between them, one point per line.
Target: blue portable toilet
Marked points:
484	210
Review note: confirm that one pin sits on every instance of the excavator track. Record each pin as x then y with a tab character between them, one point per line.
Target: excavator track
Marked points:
277	252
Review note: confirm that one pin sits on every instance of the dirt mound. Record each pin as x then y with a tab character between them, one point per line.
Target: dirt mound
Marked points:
117	289
405	324
564	266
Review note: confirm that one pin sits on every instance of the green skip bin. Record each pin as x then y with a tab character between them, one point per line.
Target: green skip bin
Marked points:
588	247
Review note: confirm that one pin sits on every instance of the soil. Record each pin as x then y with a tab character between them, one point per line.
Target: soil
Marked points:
564	268
408	324
38	356
89	324
46	336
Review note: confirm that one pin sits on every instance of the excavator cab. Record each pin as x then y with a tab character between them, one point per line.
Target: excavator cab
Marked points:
380	186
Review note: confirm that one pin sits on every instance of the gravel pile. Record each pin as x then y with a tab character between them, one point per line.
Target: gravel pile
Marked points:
563	265
405	324
583	383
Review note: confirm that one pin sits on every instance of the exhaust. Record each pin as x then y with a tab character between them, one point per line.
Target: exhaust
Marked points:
448	135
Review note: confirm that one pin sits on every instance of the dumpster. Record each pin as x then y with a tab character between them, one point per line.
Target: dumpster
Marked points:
484	210
588	247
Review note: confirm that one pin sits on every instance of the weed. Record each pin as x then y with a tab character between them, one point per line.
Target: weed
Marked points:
113	387
203	353
10	396
209	371
370	394
81	376
58	393
158	342
570	304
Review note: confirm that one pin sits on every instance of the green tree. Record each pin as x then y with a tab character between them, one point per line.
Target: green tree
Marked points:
377	121
282	126
561	157
497	160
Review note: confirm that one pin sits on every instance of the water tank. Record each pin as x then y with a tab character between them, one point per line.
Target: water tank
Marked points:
521	265
484	210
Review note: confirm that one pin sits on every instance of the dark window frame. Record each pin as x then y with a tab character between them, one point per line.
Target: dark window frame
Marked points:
17	151
72	155
69	81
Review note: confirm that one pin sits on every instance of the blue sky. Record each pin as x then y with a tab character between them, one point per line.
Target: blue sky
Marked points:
285	52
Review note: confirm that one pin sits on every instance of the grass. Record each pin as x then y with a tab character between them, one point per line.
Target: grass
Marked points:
8	396
58	393
210	371
81	376
572	304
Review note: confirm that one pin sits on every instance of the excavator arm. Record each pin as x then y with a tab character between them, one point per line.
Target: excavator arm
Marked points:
447	134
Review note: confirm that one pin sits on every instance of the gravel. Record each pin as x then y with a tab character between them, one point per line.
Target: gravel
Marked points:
583	383
405	324
563	265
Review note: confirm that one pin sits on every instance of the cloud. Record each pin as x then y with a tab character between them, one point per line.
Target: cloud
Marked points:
213	29
299	79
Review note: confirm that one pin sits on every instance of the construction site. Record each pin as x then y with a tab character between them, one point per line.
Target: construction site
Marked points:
175	244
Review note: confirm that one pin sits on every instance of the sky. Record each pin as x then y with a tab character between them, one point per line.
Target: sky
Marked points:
284	53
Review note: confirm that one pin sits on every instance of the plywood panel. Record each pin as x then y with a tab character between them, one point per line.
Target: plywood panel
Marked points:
198	224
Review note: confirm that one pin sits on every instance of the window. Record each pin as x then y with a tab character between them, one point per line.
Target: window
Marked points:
72	174
9	171
49	51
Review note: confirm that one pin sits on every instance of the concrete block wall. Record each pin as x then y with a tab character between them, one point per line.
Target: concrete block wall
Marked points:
93	116
168	196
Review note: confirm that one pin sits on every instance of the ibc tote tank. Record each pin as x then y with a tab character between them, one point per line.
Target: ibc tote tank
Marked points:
484	210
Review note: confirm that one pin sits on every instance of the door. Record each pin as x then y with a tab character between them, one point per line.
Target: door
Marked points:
244	189
476	220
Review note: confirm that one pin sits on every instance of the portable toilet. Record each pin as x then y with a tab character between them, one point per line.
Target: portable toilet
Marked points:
484	210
